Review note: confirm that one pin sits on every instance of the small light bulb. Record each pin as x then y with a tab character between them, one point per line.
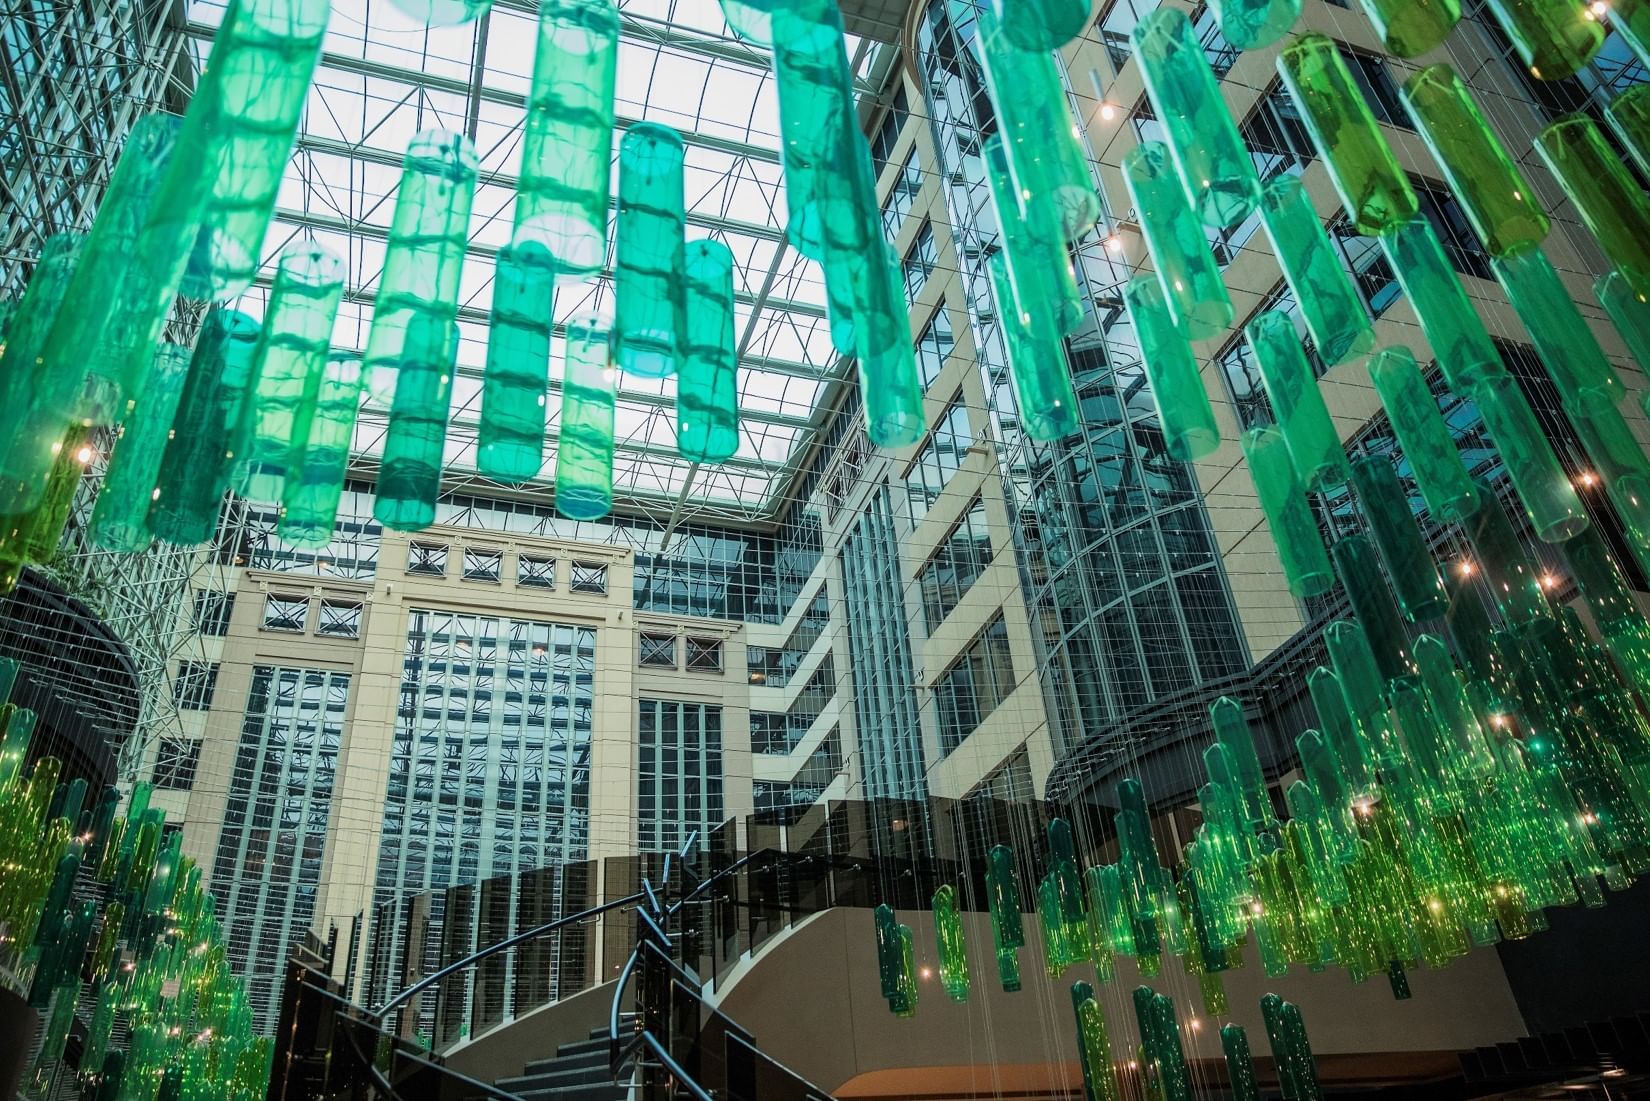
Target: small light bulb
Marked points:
83	456
1114	243
1108	112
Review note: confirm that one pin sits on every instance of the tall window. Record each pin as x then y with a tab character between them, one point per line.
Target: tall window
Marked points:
919	261
1380	92
970	690
887	135
274	834
192	688
212	611
1276	137
940	459
962	557
934	346
679	772
780	731
902	197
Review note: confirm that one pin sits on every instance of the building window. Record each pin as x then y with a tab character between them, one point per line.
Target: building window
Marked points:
658	650
1380	92
588	577
780	731
704	655
679	772
774	666
934	346
887	135
535	570
482	565
939	460
192	688
962	557
974	685
286	613
339	619
212	612
902	197
919	261
176	762
1275	136
1371	274
1455	233
430	558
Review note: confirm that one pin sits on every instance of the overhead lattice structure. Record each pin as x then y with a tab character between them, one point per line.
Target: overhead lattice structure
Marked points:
383	78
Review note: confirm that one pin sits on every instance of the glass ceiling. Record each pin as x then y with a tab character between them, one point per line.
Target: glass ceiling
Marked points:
384	77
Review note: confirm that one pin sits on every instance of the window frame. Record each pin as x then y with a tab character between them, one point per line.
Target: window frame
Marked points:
271	599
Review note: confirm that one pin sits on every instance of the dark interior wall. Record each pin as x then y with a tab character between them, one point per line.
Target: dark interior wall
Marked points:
1590	966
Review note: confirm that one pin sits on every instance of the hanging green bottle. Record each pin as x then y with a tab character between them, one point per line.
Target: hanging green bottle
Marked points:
264	79
1183	410
1629	312
510	439
119	522
1292	388
707	387
1283	499
309	501
1423	436
1247	24
1186	270
1504	212
443	13
1368	178
953	950
1408	562
33	536
1240	1064
890	386
1354	758
414	337
35	407
1553	38
648	252
1043	394
1333	313
1496	552
751	20
584	447
1094	1046
815	90
1619	462
1542	485
1215	166
201	453
1628	114
292	353
1565	342
1040	25
1410	28
1614	208
1372	604
1035	257
567	138
1462	346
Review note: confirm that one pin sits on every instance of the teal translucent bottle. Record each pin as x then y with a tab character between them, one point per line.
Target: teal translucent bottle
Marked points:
1292	388
584	448
1410	28
104	331
510	439
707	392
751	20
1370	181
1504	212
567	138
1408	562
1094	1045
1568	350
1354	758
1422	434
1214	165
1615	209
1464	350
953	951
814	90
1186	269
1040	137
37	393
1040	25
1240	1064
1535	472
263	77
889	383
200	455
1553	38
443	13
1183	410
1036	363
1250	23
648	252
1232	732
1283	499
414	334
1628	114
1509	576
292	353
1629	312
1333	313
119	522
1360	572
1035	256
315	482
1618	461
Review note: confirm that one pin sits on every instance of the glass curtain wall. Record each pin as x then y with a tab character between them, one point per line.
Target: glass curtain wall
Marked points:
274	832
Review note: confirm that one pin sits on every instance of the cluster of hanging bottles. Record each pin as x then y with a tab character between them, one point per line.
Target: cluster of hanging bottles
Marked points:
1464	779
94	896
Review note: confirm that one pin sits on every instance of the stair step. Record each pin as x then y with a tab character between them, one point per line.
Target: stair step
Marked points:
594	1057
577	1093
582	1047
554	1075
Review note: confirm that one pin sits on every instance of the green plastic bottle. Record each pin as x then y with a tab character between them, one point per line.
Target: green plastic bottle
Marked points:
648	285
584	450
